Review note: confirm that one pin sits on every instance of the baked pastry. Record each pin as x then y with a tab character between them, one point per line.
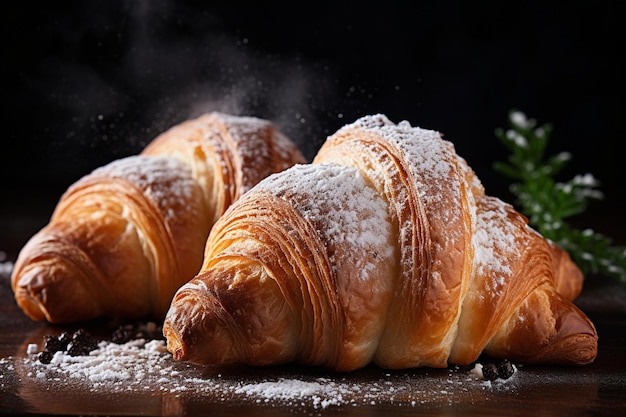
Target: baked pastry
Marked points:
125	237
385	249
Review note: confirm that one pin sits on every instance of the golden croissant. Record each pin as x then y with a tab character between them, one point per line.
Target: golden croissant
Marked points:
384	250
125	237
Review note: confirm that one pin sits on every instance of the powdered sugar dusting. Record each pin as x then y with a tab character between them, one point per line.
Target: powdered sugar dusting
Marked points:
433	165
494	243
143	366
251	138
260	148
322	392
427	152
165	180
338	200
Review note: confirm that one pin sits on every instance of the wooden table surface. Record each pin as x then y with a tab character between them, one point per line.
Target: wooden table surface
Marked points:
169	388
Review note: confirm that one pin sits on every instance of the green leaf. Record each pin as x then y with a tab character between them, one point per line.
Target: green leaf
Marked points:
548	203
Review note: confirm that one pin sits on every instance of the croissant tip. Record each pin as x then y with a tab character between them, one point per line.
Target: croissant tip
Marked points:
588	354
29	298
174	344
577	350
178	354
32	307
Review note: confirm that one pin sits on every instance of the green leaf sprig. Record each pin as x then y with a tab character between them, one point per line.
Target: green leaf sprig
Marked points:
548	203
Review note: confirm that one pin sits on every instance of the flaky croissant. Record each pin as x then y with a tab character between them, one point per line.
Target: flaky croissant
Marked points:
125	237
385	249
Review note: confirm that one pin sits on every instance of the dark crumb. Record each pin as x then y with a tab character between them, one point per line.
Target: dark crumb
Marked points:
82	343
85	339
123	334
45	356
126	332
78	349
65	339
505	369
77	344
54	344
490	372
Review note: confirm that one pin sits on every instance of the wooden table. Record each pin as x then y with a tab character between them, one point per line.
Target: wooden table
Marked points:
28	387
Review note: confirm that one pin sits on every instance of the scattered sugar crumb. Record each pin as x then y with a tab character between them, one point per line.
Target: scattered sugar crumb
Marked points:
6	267
477	371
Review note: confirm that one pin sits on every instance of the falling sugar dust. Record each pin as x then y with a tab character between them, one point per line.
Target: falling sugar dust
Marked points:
114	77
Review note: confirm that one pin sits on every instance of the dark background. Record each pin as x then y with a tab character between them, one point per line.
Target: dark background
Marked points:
89	82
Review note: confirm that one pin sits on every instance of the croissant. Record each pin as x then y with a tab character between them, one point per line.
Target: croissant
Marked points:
125	237
385	250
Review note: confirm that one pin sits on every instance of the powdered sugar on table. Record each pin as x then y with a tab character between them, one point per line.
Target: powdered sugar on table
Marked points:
144	366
